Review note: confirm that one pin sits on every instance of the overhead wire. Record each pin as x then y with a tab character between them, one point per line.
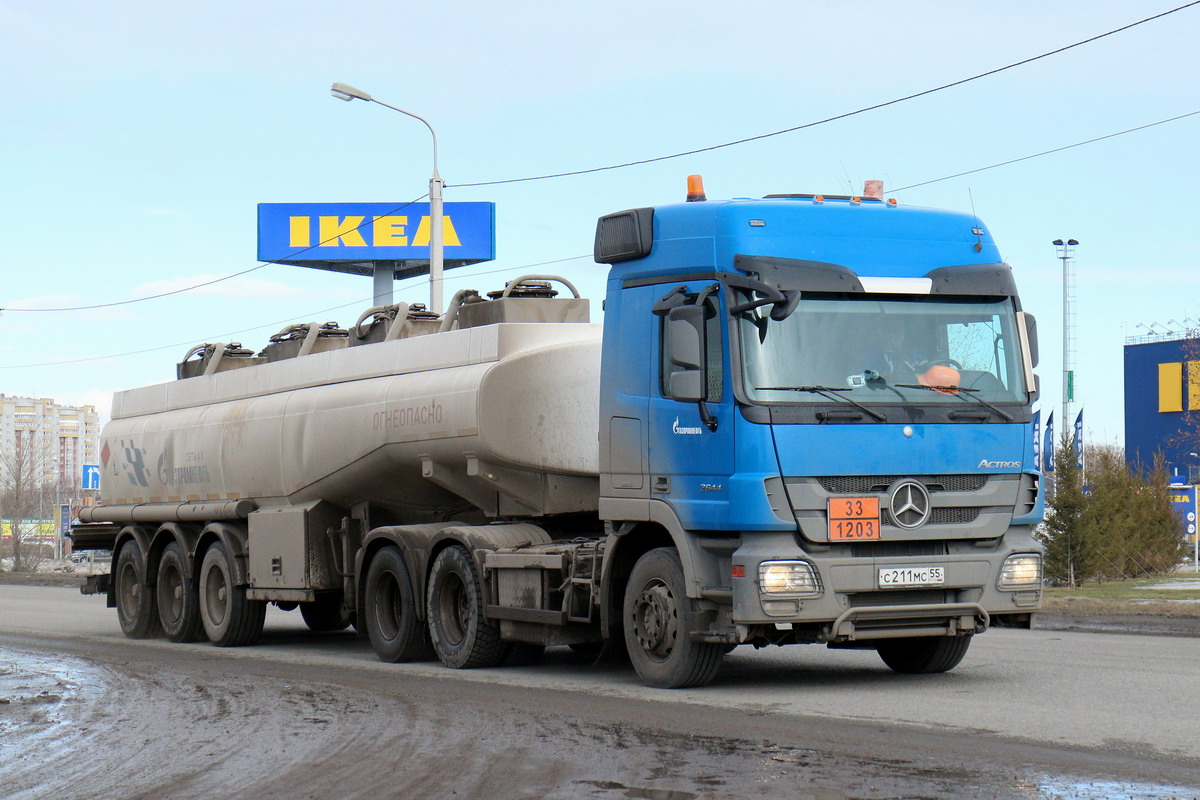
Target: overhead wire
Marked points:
1048	152
193	287
622	165
289	320
836	117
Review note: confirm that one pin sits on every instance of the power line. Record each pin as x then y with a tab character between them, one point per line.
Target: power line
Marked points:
662	158
216	280
1048	152
266	325
835	118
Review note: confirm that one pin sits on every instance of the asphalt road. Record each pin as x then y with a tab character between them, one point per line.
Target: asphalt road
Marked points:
1028	714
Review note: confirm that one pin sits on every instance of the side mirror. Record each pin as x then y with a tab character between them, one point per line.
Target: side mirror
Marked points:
1030	335
685	327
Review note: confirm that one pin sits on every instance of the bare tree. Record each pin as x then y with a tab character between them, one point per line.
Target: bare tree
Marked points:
22	471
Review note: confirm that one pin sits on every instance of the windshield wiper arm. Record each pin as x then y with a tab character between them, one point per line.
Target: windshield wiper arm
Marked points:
827	391
959	391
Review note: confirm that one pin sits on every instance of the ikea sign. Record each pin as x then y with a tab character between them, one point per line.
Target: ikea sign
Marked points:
320	234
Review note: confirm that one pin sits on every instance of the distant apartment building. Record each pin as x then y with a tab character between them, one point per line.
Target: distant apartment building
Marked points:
64	438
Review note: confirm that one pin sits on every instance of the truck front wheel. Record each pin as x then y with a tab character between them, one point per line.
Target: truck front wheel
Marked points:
656	634
924	655
391	610
136	609
461	636
230	620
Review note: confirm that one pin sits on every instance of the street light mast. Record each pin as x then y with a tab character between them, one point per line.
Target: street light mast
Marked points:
344	91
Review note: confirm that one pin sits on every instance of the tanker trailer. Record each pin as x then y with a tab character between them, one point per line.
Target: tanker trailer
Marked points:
806	419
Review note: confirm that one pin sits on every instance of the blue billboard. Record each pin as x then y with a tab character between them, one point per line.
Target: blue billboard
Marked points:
346	237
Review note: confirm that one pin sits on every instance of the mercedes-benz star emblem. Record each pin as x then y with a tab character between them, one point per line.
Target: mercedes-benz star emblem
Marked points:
910	504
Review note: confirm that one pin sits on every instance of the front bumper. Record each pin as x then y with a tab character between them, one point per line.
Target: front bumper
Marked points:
853	606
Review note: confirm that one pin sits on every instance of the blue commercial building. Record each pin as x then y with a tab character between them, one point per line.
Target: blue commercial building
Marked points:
1162	404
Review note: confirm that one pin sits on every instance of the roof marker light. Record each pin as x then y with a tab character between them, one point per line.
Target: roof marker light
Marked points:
855	201
892	202
758	223
818	198
695	189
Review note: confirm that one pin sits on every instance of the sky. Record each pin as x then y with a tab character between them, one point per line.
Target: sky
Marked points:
138	138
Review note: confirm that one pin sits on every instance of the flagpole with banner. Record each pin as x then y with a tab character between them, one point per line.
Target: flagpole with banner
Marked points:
1079	441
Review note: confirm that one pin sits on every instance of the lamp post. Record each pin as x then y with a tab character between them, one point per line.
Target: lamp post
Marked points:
1066	253
343	91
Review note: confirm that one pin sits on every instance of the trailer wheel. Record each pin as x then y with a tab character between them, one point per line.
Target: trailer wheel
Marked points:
178	602
136	609
924	655
230	620
391	611
656	633
461	636
325	613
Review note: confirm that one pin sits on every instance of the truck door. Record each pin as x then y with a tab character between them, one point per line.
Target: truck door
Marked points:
691	410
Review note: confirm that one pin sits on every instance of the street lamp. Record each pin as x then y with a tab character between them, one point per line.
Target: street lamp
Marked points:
1066	252
343	91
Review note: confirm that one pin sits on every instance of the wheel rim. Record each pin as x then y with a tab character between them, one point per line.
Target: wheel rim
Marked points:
216	595
454	608
130	590
656	620
170	595
387	606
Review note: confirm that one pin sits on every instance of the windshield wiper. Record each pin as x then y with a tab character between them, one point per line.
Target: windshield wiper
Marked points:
827	391
959	391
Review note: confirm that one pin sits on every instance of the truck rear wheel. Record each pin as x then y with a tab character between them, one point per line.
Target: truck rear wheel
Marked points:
391	610
136	609
461	636
656	633
924	655
230	620
178	603
325	613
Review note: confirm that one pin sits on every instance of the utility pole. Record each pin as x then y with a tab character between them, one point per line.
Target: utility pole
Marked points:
1066	253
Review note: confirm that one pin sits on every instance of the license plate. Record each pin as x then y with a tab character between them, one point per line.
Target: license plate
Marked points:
853	519
912	576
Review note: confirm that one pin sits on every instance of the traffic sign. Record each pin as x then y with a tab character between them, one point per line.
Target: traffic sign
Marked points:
91	476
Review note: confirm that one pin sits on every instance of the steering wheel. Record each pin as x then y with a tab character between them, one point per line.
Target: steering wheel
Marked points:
942	362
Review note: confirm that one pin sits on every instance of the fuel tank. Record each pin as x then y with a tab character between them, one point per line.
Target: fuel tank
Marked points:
501	417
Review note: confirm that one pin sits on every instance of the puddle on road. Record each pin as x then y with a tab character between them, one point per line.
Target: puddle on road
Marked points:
1067	789
37	695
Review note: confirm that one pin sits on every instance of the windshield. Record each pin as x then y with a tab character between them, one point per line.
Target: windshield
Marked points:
895	349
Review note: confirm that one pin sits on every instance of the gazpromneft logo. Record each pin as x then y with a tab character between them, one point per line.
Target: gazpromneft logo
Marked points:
681	430
985	464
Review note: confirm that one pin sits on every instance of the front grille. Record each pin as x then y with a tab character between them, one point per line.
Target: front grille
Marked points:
910	597
939	516
898	549
876	484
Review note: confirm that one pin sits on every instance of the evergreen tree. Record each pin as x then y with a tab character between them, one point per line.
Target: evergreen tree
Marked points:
1062	533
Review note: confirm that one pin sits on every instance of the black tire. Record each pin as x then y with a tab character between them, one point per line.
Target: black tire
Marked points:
924	655
391	611
462	638
325	613
230	620
136	608
655	632
178	602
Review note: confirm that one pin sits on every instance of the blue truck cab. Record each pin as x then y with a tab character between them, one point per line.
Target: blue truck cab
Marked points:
815	423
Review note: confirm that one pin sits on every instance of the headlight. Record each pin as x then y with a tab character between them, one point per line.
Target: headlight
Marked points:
1021	572
788	577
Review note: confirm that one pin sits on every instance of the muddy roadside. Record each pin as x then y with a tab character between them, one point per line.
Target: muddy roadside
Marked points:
1139	616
